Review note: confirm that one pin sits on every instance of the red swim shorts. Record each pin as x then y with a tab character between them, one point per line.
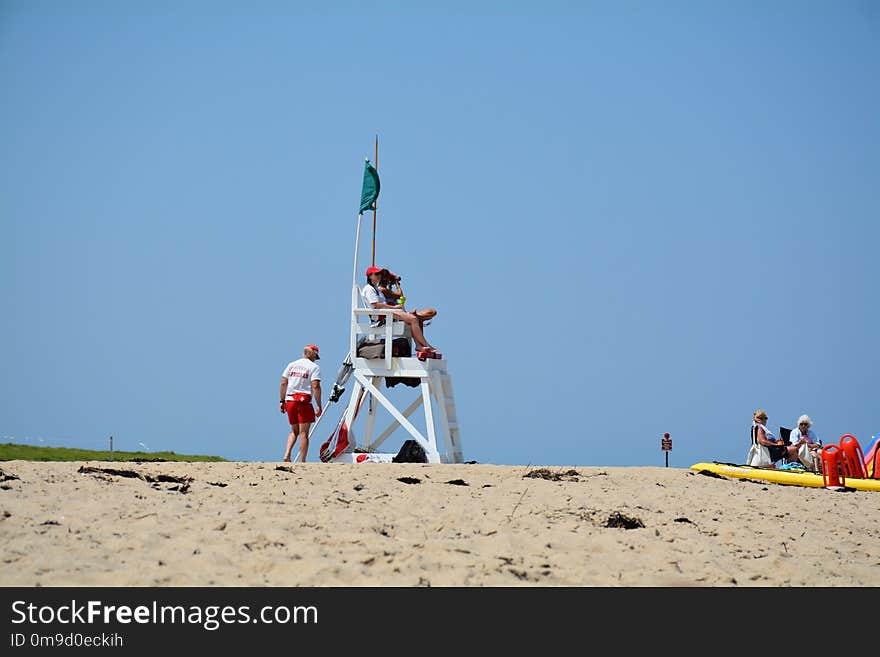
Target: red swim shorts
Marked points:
300	412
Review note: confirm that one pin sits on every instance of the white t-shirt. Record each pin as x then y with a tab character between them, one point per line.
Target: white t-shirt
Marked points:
300	374
371	295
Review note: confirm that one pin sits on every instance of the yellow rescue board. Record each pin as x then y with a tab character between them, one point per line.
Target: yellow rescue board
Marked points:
786	477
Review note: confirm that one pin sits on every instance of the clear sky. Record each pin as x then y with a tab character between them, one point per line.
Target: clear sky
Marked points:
633	217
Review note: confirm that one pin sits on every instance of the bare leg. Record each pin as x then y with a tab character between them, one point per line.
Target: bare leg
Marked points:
416	328
303	441
291	440
817	460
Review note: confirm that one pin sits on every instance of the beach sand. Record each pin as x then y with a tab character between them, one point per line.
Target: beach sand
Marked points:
316	524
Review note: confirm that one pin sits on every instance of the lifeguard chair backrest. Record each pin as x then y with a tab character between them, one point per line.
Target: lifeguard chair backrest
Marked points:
785	434
754	434
852	457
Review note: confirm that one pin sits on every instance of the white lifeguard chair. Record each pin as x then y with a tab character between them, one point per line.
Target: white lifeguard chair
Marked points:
440	438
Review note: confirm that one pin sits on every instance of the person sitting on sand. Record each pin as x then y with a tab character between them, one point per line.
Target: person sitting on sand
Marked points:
774	445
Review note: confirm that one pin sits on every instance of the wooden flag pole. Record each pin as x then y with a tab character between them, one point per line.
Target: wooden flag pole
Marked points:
376	202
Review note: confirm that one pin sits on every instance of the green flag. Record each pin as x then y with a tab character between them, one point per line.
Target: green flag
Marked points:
370	190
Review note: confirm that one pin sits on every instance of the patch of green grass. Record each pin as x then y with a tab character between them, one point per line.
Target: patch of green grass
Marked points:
14	452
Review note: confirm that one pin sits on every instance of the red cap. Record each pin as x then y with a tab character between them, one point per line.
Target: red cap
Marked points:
314	348
373	270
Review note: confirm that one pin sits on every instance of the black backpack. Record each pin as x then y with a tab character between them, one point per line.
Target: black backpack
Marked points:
411	452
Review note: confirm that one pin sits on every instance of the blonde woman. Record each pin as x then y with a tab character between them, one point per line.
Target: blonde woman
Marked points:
774	445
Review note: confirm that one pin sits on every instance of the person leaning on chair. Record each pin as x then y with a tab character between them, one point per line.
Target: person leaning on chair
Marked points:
300	385
373	298
765	437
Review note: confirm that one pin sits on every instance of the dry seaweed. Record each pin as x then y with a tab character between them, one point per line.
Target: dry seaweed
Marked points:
621	521
709	473
546	473
7	477
183	483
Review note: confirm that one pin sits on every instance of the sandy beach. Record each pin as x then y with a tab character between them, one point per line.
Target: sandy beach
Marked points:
314	524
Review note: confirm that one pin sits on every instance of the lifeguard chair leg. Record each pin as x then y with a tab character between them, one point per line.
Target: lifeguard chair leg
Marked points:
433	455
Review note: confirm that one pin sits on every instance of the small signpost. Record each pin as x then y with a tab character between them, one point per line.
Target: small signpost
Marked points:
666	446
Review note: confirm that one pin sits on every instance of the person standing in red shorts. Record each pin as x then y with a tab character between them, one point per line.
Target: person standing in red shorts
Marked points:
300	384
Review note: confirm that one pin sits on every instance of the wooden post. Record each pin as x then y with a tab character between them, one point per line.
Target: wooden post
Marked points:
111	448
375	203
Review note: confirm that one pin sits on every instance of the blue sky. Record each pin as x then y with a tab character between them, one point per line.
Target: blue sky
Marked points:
633	217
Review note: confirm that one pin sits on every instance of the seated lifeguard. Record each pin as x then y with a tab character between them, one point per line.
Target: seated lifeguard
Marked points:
373	298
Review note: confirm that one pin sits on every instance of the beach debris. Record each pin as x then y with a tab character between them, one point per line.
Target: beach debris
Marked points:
458	482
709	473
143	460
183	483
409	480
219	484
683	519
358	487
171	479
545	473
220	527
131	474
284	468
262	543
7	477
619	520
516	506
51	522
